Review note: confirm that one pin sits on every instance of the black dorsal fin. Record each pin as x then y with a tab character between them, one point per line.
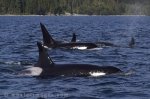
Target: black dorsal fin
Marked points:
73	38
44	59
132	42
47	38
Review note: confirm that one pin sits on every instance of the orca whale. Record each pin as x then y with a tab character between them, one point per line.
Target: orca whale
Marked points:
45	67
99	44
51	43
104	44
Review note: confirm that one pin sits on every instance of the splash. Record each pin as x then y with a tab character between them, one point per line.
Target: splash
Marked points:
128	73
16	62
12	63
98	48
32	71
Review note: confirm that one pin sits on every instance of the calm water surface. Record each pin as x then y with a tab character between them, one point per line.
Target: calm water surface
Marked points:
18	37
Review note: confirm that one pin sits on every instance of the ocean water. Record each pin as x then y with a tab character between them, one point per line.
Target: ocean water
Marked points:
18	50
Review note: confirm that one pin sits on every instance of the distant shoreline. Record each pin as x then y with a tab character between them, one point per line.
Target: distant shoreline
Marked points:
71	15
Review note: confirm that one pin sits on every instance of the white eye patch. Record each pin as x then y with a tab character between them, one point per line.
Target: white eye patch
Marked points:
80	47
96	74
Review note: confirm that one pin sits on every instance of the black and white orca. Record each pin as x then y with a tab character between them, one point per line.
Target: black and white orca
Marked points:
51	43
45	67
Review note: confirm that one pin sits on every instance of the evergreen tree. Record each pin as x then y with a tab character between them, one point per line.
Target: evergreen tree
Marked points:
90	7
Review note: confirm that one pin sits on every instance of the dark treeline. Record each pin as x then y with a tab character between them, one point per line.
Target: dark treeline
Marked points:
90	7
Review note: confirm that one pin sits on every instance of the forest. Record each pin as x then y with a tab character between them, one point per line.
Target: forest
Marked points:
71	7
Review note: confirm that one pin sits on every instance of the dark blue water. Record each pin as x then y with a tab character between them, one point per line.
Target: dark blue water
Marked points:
18	49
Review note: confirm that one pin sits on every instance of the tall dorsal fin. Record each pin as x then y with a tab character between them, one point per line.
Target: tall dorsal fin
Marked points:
47	38
132	42
44	59
73	38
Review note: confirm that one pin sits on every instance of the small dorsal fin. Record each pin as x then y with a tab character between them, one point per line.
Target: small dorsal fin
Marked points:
73	38
47	38
44	59
132	42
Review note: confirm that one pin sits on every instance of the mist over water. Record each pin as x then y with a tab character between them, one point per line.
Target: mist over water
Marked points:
18	50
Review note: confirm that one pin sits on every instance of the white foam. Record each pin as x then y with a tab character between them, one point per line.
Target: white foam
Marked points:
80	47
96	74
32	71
13	62
98	48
